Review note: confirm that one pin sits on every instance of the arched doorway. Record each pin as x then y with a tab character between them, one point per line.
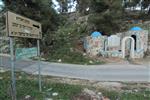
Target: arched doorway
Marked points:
134	37
132	49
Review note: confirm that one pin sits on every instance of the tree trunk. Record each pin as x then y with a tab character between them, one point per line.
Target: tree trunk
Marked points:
149	11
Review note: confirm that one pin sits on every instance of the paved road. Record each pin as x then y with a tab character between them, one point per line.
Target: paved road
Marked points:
118	72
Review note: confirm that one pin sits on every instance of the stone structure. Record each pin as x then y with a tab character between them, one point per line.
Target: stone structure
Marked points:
141	42
133	43
94	45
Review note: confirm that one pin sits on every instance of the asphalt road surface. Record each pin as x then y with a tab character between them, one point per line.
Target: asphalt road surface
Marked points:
111	72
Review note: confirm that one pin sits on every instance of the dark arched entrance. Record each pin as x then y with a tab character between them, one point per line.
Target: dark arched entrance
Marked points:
134	37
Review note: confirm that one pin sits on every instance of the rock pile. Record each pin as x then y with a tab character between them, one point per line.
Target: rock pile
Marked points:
90	95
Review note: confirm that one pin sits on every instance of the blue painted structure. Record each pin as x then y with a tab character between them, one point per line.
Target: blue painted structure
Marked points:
96	34
136	28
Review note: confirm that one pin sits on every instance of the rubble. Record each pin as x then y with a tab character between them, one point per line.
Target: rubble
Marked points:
55	94
59	60
88	94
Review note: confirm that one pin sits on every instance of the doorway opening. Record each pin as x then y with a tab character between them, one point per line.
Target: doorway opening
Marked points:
134	37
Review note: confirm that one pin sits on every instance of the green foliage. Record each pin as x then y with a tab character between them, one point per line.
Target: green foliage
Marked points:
106	15
145	3
60	35
63	5
64	45
67	56
131	3
64	42
28	85
39	10
82	5
65	91
141	95
98	6
4	87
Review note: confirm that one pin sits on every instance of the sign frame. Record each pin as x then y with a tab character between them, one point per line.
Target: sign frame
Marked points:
20	26
11	36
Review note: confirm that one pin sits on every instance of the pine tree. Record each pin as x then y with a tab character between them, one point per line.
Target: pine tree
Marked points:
39	10
146	4
106	15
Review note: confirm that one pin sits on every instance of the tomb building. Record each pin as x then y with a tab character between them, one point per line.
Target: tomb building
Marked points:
133	43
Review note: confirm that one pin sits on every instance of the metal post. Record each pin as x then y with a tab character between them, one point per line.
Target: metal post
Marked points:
1	55
39	65
12	69
148	74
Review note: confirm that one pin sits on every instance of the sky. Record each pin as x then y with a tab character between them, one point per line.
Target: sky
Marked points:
56	6
1	3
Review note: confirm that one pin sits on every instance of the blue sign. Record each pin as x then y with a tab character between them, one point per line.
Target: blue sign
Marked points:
24	53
